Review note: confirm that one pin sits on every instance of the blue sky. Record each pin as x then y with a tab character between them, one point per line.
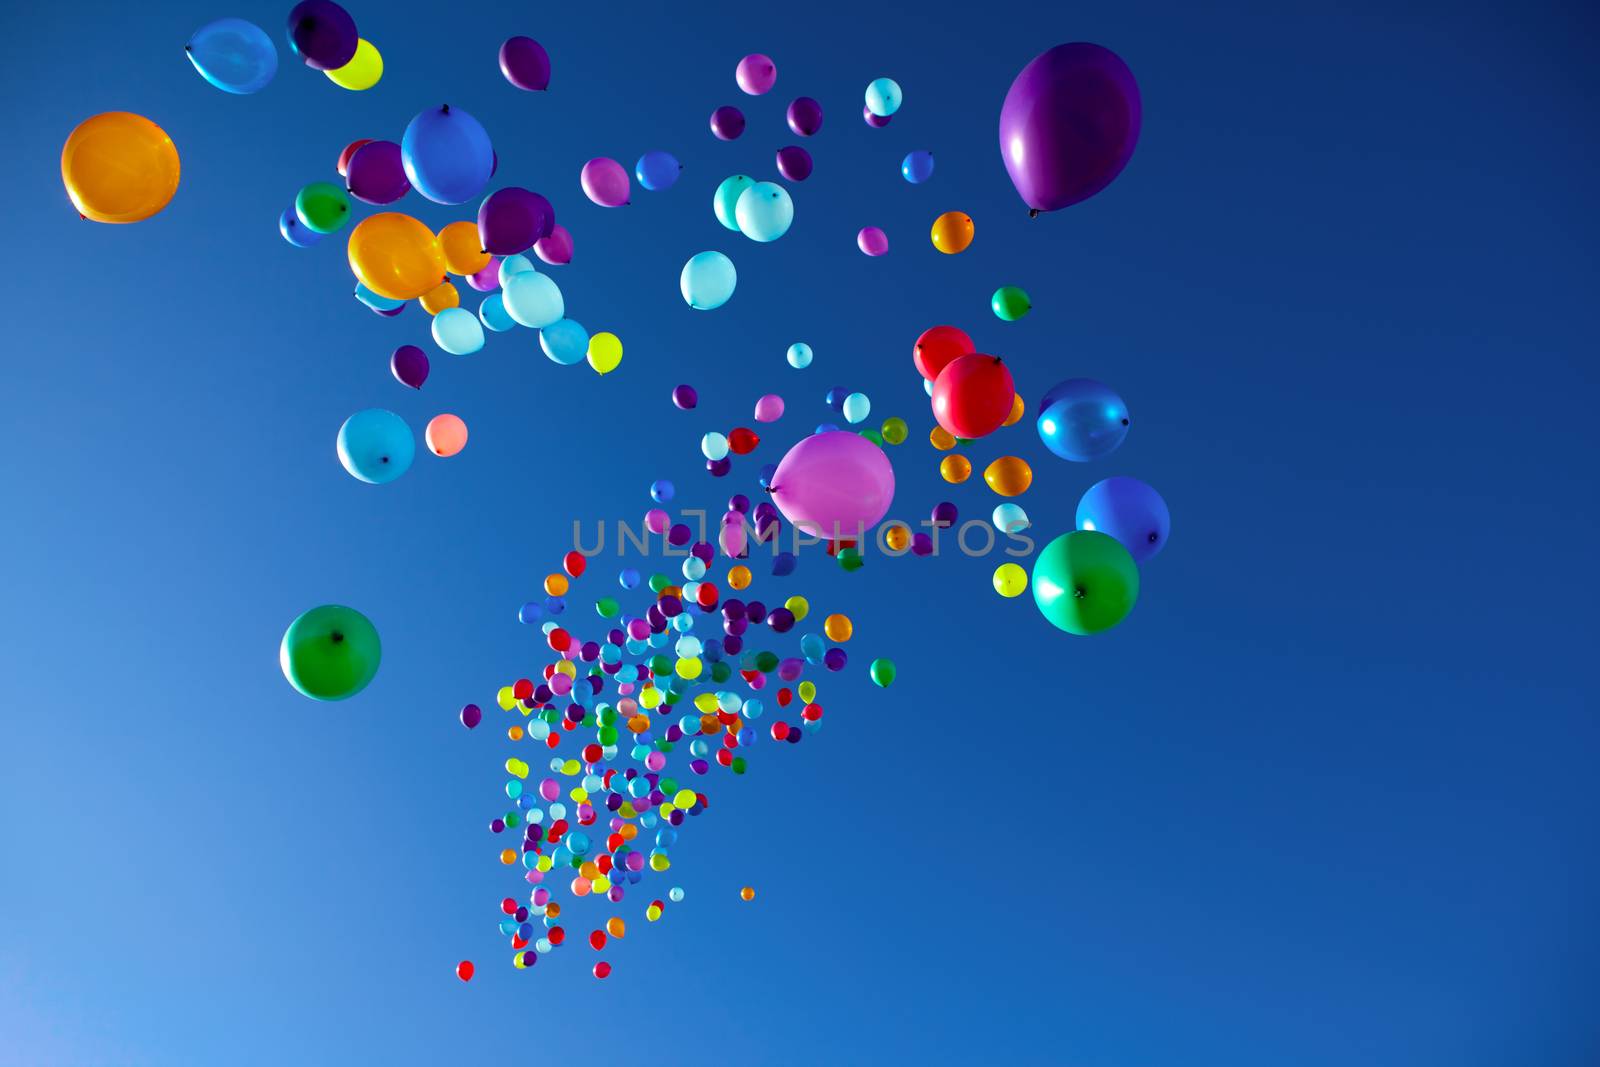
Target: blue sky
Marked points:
1327	797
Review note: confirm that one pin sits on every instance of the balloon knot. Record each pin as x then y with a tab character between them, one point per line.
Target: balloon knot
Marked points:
337	636
1079	592
1033	213
186	48
445	108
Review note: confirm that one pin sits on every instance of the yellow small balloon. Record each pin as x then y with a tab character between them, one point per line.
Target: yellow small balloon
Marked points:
838	628
605	352
506	698
807	690
1010	580
798	606
363	70
444	295
1009	475
897	536
941	438
739	577
1018	409
952	232
955	469
463	248
395	256
119	167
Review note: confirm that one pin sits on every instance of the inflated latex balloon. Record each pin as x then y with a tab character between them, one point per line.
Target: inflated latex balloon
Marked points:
973	395
769	408
882	672
376	173
296	232
1010	580
1085	582
364	70
446	435
396	256
234	55
119	167
714	445
493	314
376	301
877	122
511	220
605	352
940	438
565	341
555	249
952	232
727	123
322	207
330	653
883	97
685	397
872	241
725	201
756	74
409	365
937	346
794	163
513	265
464	969
447	155
486	280
471	716
1069	125
804	116
1018	409
442	296
376	446
1009	475
1009	303
708	280
533	299
764	212
917	167
1010	518
1081	419
462	254
856	408
657	170
322	34
525	63
457	331
1130	511
831	484
605	182
955	468
894	430
799	355
343	166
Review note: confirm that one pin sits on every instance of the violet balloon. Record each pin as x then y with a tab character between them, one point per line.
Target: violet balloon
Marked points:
510	220
727	123
794	163
834	485
1069	125
555	248
756	74
486	280
376	173
877	122
322	34
409	365
606	182
804	116
525	63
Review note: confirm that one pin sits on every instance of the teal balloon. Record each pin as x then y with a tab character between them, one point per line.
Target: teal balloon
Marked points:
234	55
764	211
1085	582
513	265
813	648
376	446
708	280
376	301
883	97
799	355
856	407
1010	303
533	299
493	314
725	202
457	331
1010	518
565	341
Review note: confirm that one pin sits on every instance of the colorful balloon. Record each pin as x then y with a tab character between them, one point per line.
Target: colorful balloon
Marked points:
1009	303
756	74
605	182
882	672
409	365
684	397
330	653
396	256
708	280
856	408
1010	518
525	63
605	352
376	173
952	232
375	446
446	435
937	347
457	331
657	170
565	341
462	252
1085	582
119	167
883	97
1130	511
877	122
512	219
872	241
556	249
1009	475
799	355
494	316
764	212
727	123
769	408
234	55
725	201
442	296
1010	580
322	34
831	484
513	265
364	70
1081	419
350	149
471	716
296	232
794	163
917	167
955	468
804	116
322	207
533	299
447	155
973	395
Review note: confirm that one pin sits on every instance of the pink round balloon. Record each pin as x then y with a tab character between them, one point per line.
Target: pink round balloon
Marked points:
834	484
486	280
556	248
733	538
756	74
605	181
656	521
769	408
872	241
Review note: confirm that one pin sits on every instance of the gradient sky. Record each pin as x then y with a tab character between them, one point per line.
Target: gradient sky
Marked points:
1327	797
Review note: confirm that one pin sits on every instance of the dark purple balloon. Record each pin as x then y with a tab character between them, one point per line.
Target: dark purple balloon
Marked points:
877	122
1069	125
805	116
510	220
410	366
719	468
944	514
685	396
323	34
834	659
727	123
794	163
376	173
525	63
389	313
471	716
781	620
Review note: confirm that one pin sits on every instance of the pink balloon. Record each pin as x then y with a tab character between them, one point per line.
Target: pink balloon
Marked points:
556	248
486	280
605	181
872	241
756	74
834	484
733	537
769	408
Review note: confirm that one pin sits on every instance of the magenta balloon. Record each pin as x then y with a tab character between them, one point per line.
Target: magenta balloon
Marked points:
605	181
756	74
875	121
555	249
376	174
872	241
409	365
727	123
805	116
834	484
1069	125
486	280
794	163
769	408
525	63
510	220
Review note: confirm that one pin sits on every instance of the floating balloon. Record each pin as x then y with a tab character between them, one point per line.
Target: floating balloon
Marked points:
376	173
872	241
511	220
756	74
322	207
725	201
605	182
471	716
799	355
1130	511
446	435
883	672
494	316
350	149
464	969
937	346
525	63
794	163
409	364
955	468
714	445
1009	475
457	331
1018	409
442	296
362	72
684	397
447	155
856	408
376	446
1009	303
296	232
605	352
833	484
883	97
1010	518
708	280
396	256
330	653
462	254
234	55
322	34
727	123
973	395
1010	580
894	430
119	167
1085	582
769	408
764	212
486	280
556	249
565	341
1069	125
375	301
952	232
533	299
877	122
657	170
917	167
513	265
1081	419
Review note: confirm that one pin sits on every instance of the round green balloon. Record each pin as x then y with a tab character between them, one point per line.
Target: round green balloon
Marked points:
322	207
895	430
1010	303
883	672
872	435
1085	582
850	559
330	653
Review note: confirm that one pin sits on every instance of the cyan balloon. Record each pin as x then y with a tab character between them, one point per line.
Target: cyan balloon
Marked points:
856	407
376	301
917	167
725	201
799	355
493	314
565	341
298	233
657	170
513	265
1010	518
234	55
457	331
883	97
764	211
708	280
533	299
376	446
447	155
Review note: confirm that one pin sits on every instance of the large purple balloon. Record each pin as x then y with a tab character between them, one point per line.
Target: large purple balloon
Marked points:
525	63
323	34
409	365
727	123
1069	125
510	220
377	174
834	485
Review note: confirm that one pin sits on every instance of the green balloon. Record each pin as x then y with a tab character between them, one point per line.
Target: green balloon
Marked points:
883	672
322	207
330	653
895	430
850	559
1085	582
606	608
872	435
1010	303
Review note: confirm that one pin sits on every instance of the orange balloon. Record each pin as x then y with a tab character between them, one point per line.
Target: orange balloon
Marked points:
940	438
838	628
955	468
119	167
1018	409
1009	475
444	295
747	893
463	248
615	926
555	584
395	256
739	576
446	435
952	232
897	536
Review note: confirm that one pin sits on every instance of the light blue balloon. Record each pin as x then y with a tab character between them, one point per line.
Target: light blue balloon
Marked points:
657	170
856	407
299	234
234	55
376	446
764	211
376	301
917	167
534	300
514	264
800	355
675	894
1010	518
883	97
457	331
725	202
493	314
714	446
708	280
447	155
565	341
927	386
1081	419
813	648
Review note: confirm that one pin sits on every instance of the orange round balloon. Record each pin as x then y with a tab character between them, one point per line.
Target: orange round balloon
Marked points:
444	295
739	576
941	438
952	232
555	584
463	248
1009	475
955	468
1018	409
838	627
446	435
119	167
897	536
396	256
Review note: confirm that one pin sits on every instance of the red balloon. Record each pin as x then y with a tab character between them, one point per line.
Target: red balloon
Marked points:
597	940
560	640
937	347
973	395
509	906
556	935
602	969
522	689
464	970
743	441
574	563
344	159
592	753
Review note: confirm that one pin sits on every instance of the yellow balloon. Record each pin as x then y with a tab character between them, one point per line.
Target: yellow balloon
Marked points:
739	576
807	690
1010	580
395	256
1018	409
444	295
941	438
119	167
799	606
952	232
463	248
897	536
506	698
363	70
605	352
955	468
1009	475
838	627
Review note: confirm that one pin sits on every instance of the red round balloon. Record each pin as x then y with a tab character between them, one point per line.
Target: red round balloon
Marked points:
597	940
742	441
602	969
464	970
939	345
973	395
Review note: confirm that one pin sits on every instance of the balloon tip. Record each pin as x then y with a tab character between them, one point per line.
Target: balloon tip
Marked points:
1033	213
